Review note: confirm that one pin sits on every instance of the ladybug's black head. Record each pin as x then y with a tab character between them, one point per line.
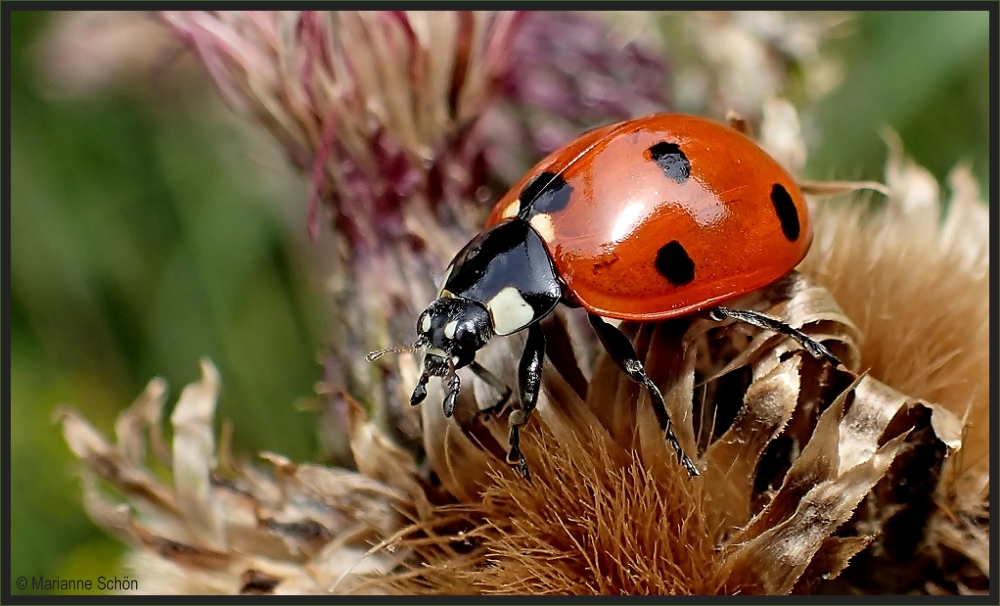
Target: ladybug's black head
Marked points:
455	327
502	282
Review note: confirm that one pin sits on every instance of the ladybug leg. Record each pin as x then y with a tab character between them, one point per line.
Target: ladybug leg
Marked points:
454	385
434	366
420	391
499	386
621	351
817	349
530	378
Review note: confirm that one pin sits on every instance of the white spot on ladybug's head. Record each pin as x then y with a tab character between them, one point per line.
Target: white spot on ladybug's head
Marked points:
542	223
449	329
425	324
509	311
511	210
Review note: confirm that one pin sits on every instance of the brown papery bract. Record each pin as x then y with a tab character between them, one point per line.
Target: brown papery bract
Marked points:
914	277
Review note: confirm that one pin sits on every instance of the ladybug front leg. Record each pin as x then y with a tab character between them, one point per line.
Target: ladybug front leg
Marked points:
621	351
530	378
434	366
454	385
817	349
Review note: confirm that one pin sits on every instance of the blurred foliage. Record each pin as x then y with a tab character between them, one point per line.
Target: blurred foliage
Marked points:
145	234
925	74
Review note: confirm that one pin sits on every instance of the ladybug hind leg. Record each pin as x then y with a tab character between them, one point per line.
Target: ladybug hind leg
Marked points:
817	349
499	386
621	351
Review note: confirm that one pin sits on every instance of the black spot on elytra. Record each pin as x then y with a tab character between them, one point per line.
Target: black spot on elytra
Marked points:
786	211
671	160
674	264
546	193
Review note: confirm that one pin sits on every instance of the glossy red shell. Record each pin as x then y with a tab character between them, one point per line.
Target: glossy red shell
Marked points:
623	208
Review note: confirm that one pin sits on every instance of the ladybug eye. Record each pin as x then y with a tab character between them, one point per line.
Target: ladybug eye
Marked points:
465	335
471	330
468	337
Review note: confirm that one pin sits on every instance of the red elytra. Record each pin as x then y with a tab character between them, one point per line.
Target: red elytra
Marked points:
665	215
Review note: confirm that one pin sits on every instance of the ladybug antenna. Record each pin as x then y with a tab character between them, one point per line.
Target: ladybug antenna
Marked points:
375	355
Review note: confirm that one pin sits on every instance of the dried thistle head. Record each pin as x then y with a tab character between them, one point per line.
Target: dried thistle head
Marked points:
802	465
389	114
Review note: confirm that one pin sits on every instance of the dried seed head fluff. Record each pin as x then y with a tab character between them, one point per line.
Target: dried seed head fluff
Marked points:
868	478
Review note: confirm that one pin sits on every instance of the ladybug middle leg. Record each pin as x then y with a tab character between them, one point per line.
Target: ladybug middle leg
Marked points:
530	379
817	349
621	351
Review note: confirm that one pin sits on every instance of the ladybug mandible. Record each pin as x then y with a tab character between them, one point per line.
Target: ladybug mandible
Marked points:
646	219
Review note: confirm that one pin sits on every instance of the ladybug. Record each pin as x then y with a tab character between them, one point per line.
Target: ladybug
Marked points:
647	219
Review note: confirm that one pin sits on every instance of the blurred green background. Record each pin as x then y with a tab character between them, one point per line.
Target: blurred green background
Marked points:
146	233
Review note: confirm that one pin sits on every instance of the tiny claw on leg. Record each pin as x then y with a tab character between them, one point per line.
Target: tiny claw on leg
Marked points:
514	456
689	466
522	466
820	351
